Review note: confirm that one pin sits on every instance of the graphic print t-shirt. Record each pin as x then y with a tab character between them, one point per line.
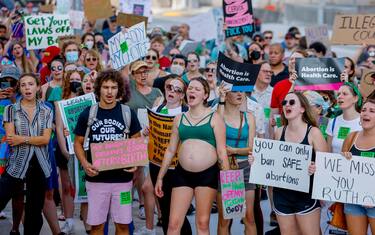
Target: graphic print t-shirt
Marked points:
109	126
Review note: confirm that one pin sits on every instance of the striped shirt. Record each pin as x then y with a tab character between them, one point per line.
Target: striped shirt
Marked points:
21	155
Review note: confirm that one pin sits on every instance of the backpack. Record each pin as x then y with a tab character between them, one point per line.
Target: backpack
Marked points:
126	115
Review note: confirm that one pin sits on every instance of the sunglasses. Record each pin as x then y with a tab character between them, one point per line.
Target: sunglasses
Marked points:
291	102
148	57
57	68
93	59
267	71
176	89
144	72
192	61
208	70
172	55
4	62
268	38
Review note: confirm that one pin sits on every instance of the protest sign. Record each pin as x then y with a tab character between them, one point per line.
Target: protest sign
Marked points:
42	31
46	8
206	31
119	154
160	127
241	75
97	9
219	20
136	7
70	110
128	20
319	73
281	164
233	194
80	182
238	17
76	19
126	47
340	180
63	6
188	46
354	29
367	84
318	33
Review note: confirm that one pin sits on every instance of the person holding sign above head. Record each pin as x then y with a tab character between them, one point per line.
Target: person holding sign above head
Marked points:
349	100
240	133
361	143
107	191
202	136
296	212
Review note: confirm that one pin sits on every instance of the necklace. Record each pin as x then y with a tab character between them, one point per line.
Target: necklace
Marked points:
195	118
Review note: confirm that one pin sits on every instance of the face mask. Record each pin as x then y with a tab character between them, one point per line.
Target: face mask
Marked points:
90	44
177	69
74	86
71	56
371	53
255	55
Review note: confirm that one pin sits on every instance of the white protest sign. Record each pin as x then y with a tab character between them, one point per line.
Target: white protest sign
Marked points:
340	180
43	31
205	31
281	164
126	47
63	6
136	7
76	19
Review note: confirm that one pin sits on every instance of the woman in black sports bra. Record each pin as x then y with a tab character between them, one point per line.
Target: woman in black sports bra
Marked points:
358	217
199	137
296	212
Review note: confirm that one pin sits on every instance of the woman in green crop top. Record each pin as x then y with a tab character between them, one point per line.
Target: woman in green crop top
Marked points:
201	135
240	133
52	90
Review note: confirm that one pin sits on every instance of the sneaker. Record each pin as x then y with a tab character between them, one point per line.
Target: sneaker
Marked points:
2	215
145	231
67	228
141	212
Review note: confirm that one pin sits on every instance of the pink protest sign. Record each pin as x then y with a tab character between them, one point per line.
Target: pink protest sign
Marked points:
233	193
119	154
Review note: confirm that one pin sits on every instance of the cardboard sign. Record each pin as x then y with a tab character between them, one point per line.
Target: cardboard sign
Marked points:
80	182
367	84
119	154
340	180
159	137
281	164
46	8
318	33
319	73
70	110
97	9
128	20
76	19
238	17
42	31
354	29
233	194
126	47
136	7
241	76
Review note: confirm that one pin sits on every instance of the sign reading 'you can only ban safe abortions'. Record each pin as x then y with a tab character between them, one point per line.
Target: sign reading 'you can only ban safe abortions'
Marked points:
354	29
233	193
319	73
281	164
126	47
70	110
238	17
43	31
341	180
241	76
119	154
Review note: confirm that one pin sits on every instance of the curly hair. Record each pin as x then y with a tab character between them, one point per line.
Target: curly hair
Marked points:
112	75
66	83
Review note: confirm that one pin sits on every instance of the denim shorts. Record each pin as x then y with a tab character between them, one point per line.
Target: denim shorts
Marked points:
358	210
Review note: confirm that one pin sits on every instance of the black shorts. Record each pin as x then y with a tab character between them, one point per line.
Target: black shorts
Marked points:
205	178
289	202
61	160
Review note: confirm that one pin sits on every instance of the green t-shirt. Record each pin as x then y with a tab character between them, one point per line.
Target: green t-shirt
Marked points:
140	101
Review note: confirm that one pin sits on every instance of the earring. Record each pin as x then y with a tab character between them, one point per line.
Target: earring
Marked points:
360	123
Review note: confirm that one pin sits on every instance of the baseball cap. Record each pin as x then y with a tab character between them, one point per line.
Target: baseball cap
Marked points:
137	65
10	72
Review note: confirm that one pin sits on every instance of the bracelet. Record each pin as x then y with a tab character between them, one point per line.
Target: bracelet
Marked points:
221	102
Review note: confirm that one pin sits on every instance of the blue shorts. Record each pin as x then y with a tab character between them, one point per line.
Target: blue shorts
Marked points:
358	210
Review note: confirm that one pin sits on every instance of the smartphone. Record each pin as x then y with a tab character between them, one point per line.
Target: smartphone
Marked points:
4	85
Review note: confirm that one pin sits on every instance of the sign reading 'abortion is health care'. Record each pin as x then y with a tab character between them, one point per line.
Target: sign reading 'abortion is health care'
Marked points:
341	180
126	47
43	31
233	194
281	164
119	154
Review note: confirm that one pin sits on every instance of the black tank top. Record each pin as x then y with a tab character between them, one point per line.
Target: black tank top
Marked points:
362	152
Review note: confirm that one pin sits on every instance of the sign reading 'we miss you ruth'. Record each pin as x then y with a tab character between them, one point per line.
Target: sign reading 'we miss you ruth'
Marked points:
238	17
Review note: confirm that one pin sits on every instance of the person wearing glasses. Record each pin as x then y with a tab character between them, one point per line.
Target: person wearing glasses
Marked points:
192	67
268	36
93	61
52	90
210	76
155	72
297	213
